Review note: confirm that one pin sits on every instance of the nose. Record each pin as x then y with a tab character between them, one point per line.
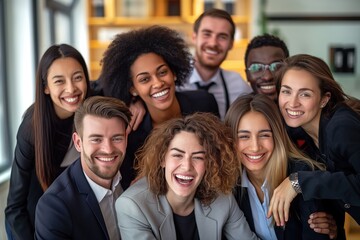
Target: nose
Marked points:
158	82
212	41
186	164
293	101
70	87
107	146
254	145
268	75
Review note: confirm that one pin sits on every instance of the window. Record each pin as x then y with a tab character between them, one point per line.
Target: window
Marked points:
5	160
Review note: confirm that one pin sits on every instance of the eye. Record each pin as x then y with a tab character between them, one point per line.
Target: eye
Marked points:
275	66
305	94
265	135
163	72
118	139
78	78
144	79
256	67
243	137
199	157
95	140
58	81
285	91
176	155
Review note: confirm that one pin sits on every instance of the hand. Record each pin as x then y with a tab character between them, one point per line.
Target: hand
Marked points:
137	110
280	202
322	222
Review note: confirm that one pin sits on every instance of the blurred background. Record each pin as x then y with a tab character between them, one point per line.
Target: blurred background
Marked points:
329	29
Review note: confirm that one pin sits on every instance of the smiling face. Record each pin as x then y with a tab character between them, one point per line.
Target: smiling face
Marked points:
66	85
265	55
102	147
300	100
184	165
255	142
153	81
212	42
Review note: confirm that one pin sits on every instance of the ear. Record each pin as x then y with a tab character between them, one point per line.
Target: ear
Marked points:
325	99
77	141
46	90
133	92
193	38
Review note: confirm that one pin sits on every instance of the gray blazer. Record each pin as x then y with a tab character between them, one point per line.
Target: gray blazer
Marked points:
142	215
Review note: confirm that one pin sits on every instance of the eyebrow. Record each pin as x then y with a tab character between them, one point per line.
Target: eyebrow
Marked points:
301	89
261	131
99	135
198	152
143	73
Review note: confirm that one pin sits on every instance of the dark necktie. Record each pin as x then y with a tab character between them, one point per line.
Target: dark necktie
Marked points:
205	87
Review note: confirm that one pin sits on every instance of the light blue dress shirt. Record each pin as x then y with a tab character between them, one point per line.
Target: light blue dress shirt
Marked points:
263	226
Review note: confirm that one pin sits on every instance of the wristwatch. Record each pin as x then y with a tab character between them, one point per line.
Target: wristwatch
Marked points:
295	182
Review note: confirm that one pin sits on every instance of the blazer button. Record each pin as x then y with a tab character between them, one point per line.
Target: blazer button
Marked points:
346	205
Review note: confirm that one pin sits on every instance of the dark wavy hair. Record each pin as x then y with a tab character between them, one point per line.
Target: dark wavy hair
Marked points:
326	82
266	40
222	165
115	78
44	113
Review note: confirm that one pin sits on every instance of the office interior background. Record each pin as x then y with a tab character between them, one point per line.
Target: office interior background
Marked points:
329	29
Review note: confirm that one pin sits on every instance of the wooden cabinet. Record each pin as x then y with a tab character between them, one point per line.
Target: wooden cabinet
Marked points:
109	17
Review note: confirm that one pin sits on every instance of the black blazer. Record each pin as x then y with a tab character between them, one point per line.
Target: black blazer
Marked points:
69	209
297	226
190	102
339	149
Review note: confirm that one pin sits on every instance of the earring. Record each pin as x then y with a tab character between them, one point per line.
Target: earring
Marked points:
175	78
134	94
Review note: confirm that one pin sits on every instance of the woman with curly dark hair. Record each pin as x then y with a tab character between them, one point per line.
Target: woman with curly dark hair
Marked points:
187	169
146	64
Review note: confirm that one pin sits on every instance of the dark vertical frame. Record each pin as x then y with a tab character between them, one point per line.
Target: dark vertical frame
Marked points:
3	93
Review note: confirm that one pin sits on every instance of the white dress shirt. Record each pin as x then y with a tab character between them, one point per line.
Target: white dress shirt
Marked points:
235	84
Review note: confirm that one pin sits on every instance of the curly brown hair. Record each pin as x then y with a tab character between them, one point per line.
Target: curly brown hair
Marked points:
222	165
115	78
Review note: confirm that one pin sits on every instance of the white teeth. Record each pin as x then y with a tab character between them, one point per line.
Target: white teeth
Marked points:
211	51
267	87
294	113
254	157
184	177
71	100
104	159
160	94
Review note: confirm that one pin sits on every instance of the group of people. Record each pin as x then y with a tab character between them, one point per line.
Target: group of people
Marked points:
171	146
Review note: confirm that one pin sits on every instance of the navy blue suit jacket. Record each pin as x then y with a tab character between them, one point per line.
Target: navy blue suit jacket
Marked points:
69	209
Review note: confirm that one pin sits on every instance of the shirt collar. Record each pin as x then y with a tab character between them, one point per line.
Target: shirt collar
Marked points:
195	77
99	191
245	182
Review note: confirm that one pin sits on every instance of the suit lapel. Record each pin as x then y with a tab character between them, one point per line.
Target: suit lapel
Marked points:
207	227
167	228
88	195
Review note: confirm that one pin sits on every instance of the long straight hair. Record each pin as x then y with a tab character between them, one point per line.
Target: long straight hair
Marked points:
284	149
44	113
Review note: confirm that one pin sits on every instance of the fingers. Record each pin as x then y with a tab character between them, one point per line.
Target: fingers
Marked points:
322	222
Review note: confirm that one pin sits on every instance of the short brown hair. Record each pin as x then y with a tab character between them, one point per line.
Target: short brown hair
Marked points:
222	166
215	13
105	107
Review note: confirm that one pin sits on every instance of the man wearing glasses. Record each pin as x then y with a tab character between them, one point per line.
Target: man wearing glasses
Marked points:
263	58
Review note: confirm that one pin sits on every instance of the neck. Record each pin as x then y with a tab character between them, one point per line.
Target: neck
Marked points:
206	73
257	181
160	116
312	129
181	206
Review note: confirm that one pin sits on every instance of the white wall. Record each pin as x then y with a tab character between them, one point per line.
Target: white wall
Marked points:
316	37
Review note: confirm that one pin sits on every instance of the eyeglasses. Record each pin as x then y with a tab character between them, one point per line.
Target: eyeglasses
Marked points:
257	70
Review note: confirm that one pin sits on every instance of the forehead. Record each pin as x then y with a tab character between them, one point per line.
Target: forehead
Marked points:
215	24
146	62
300	79
253	121
64	65
103	126
265	55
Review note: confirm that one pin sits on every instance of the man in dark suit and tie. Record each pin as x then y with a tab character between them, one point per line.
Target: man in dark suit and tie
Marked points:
80	202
